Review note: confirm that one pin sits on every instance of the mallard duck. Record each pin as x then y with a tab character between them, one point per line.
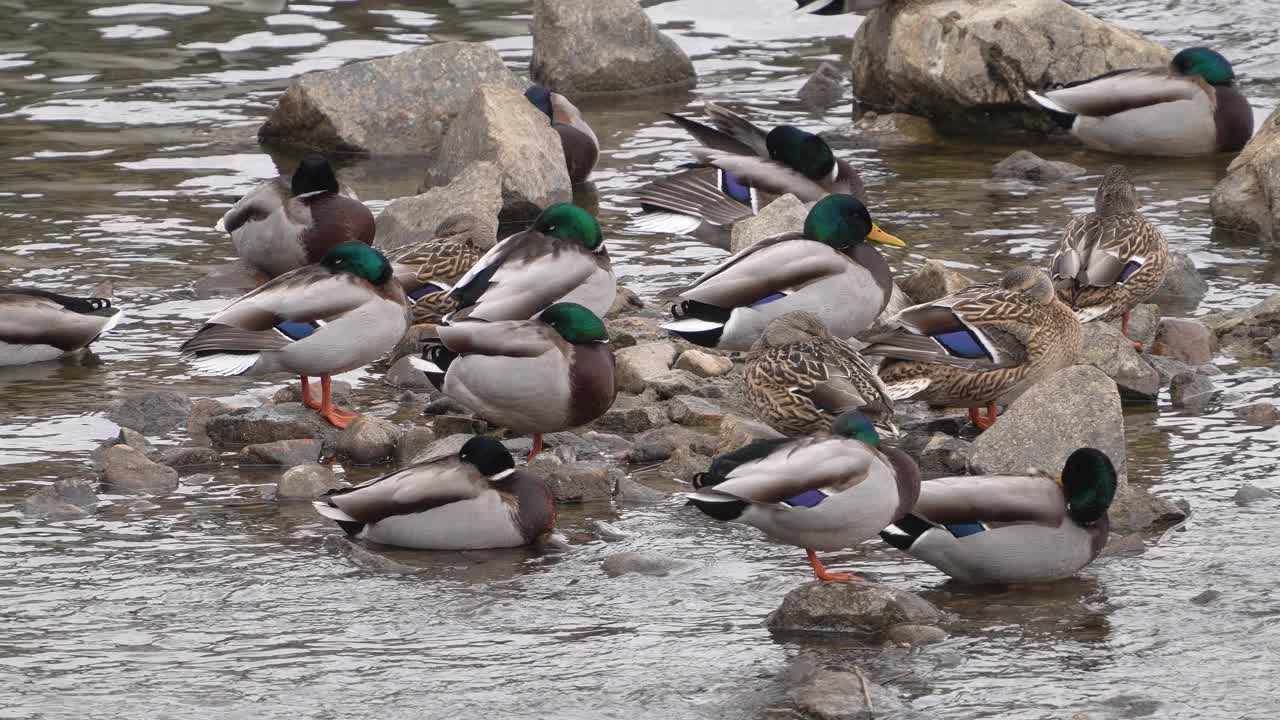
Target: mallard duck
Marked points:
798	378
428	270
741	169
1012	528
286	223
332	317
981	346
837	7
1189	108
819	493
581	148
561	258
37	325
475	500
1110	260
827	269
529	376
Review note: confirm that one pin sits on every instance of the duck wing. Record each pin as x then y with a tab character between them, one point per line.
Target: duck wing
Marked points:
765	175
739	128
712	137
779	264
522	275
1103	251
418	488
509	338
699	193
788	469
258	204
992	498
845	381
1121	90
983	325
38	317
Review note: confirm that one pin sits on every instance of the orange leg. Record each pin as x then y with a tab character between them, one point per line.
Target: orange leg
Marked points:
306	395
983	423
336	417
1124	330
820	571
537	448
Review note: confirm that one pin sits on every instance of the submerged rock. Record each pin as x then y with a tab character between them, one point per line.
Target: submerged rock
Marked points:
152	412
1073	408
1183	286
884	130
934	280
1190	390
784	214
369	439
1248	198
1103	347
269	423
477	190
127	469
860	607
1026	165
198	420
285	453
637	365
177	457
69	499
1190	341
825	694
306	481
643	563
504	128
1248	494
993	49
582	47
397	105
1135	509
1261	413
824	88
913	635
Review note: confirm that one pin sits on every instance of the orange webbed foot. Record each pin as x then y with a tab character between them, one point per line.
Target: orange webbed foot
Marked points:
338	417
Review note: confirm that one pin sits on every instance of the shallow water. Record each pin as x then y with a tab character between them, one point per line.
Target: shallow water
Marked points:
128	129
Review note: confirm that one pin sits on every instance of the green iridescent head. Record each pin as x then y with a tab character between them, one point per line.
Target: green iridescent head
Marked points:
1089	482
1205	63
359	260
575	323
570	222
856	426
801	151
841	221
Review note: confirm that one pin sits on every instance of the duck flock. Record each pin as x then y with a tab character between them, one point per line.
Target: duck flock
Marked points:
515	333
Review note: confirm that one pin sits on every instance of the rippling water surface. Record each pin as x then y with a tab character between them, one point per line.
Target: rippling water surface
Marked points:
127	129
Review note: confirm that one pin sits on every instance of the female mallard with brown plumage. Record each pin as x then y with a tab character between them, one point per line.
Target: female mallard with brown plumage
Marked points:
428	270
982	346
1112	259
288	222
799	378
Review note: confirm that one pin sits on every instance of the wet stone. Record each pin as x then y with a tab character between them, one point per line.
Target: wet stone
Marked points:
452	424
643	563
1248	494
229	281
368	439
913	635
188	457
825	694
197	422
737	431
934	280
1191	390
937	453
1026	165
628	489
1136	509
285	453
269	423
625	301
824	88
402	374
450	445
444	405
292	393
1206	597
69	499
153	412
1190	341
850	607
1104	347
412	443
127	469
1260	413
607	532
637	365
579	482
306	481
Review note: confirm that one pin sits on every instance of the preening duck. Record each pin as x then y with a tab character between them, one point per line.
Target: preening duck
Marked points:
428	270
581	148
37	325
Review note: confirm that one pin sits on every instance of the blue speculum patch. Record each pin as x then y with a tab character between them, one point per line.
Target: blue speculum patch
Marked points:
1130	268
297	330
966	529
423	291
768	299
808	498
962	343
734	188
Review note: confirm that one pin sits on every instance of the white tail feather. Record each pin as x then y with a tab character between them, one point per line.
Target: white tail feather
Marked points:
691	325
425	365
225	363
907	388
111	322
667	223
1090	314
815	6
331	512
222	224
1047	103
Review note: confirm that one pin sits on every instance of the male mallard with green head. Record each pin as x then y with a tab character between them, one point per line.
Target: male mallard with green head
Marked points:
474	500
1112	259
1192	107
1012	528
982	346
561	258
427	270
530	376
38	325
286	223
742	169
581	148
798	378
828	270
319	320
828	492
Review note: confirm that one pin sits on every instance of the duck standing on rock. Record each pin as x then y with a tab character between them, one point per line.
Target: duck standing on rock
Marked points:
1192	107
984	345
1012	528
560	259
286	223
798	378
37	325
828	492
581	148
428	270
828	270
1112	259
742	169
319	320
530	376
475	500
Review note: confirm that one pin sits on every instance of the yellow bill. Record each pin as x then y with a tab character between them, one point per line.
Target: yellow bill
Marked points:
883	237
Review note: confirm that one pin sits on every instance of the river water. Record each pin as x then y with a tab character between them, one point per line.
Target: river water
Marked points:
128	129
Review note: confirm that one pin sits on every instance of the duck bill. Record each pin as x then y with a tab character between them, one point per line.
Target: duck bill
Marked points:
883	237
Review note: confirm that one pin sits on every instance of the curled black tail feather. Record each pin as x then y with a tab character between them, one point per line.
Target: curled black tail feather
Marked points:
911	527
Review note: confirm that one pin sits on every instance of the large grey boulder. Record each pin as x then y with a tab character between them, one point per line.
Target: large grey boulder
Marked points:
1075	407
967	64
1248	198
501	126
476	190
400	104
860	607
583	47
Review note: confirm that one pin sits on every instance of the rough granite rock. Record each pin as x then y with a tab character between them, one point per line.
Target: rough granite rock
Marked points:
859	607
269	423
675	382
1190	390
1190	341
400	104
306	481
696	412
285	453
937	453
1073	408
1103	347
824	88
625	332
1183	286
412	443
1144	320
127	469
638	364
1026	165
934	280
823	694
369	439
630	420
736	432
201	411
504	128
1248	198
69	499
1135	509
583	47
153	412
704	364
784	214
578	482
132	438
187	456
883	131
966	64
476	190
